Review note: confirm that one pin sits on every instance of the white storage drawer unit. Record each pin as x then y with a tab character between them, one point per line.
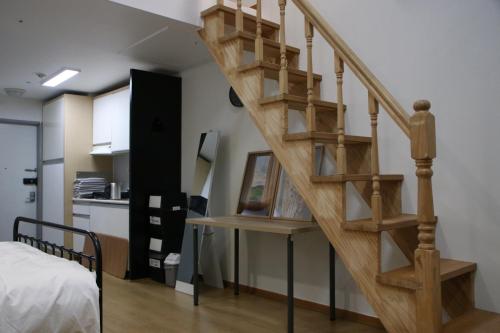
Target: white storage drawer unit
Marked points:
81	208
103	218
109	219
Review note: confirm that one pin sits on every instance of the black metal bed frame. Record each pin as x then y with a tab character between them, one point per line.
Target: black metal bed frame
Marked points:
71	254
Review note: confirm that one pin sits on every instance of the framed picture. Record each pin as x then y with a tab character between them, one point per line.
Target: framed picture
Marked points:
288	203
259	185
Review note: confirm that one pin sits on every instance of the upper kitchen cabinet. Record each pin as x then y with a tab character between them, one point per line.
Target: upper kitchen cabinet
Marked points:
102	119
111	122
120	127
53	129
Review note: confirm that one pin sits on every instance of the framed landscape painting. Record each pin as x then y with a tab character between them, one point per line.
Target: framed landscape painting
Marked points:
259	185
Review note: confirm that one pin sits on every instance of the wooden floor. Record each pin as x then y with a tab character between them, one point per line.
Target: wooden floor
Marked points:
146	306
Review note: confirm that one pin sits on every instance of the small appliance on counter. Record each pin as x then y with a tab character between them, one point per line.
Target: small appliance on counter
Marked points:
113	191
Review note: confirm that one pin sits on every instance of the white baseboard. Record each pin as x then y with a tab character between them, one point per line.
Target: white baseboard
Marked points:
184	287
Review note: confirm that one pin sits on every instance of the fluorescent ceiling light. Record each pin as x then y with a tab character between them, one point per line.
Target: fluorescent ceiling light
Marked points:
59	77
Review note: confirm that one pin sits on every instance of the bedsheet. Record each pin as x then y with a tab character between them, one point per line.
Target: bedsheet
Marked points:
43	293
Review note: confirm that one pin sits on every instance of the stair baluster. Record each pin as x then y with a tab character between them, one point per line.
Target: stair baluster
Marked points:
376	199
239	16
341	153
427	258
259	42
283	61
310	111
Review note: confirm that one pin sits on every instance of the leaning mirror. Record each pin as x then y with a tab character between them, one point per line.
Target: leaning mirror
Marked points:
204	173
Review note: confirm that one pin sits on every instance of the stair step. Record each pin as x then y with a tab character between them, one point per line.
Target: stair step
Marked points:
269	29
271	47
299	103
325	137
354	178
401	221
271	71
474	321
405	277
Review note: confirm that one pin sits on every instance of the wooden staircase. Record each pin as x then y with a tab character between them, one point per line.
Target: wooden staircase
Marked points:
407	299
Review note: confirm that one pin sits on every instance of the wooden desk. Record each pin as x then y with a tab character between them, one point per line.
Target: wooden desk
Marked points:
282	227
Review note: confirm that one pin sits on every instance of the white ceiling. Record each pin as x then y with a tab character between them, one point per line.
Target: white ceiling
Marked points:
103	39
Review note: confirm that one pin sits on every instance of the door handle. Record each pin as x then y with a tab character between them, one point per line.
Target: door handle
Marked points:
30	170
30	181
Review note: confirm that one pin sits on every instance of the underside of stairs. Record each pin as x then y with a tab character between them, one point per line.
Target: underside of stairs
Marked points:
228	34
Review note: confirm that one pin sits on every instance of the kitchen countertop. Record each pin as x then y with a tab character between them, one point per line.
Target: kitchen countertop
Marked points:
102	201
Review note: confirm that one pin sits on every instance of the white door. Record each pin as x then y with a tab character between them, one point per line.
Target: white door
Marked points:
18	153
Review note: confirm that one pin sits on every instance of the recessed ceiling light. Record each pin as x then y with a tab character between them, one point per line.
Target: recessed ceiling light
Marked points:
14	92
59	77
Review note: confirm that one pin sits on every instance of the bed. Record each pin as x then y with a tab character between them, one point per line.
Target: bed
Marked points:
45	287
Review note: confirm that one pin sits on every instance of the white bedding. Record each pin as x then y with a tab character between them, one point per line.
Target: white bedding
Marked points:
43	293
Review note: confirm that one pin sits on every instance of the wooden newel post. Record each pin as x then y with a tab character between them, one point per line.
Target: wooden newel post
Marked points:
427	267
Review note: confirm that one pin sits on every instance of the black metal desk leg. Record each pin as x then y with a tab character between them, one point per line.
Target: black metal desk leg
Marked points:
290	282
332	283
236	261
195	265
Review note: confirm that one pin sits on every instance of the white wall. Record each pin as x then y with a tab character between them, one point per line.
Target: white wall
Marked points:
263	257
189	10
445	51
20	108
181	10
121	170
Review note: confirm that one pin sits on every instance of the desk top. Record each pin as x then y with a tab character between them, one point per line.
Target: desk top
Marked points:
273	226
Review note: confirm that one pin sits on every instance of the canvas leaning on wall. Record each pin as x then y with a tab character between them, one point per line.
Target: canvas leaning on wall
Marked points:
288	203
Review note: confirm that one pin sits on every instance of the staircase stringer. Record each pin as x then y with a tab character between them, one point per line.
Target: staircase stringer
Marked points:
360	252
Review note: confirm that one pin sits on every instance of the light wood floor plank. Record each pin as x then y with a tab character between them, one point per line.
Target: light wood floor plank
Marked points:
147	306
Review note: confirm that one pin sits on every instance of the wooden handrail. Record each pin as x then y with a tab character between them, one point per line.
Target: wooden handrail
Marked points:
375	88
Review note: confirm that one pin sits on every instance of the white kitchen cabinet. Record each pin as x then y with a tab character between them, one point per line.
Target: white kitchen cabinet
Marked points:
110	220
53	129
111	121
102	120
81	222
53	201
67	134
120	129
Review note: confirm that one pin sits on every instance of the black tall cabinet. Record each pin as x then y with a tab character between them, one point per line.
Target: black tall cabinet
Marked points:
155	154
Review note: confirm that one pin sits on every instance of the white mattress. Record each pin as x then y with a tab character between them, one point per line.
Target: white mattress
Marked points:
43	293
